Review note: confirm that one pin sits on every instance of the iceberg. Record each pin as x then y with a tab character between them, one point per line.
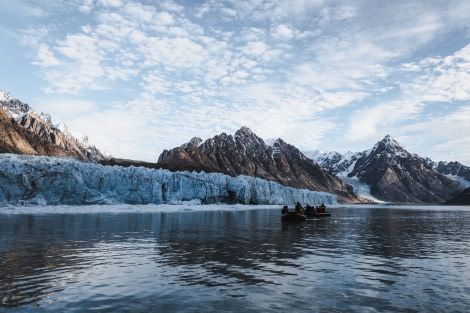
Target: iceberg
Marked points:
42	180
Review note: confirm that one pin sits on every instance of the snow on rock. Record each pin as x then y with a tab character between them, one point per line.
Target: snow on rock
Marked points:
36	180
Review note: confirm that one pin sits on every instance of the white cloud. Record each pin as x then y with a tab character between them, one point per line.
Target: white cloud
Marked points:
86	7
67	109
170	5
45	57
229	12
81	68
110	3
283	32
202	10
155	83
385	118
440	79
164	18
442	137
359	68
141	13
80	47
255	48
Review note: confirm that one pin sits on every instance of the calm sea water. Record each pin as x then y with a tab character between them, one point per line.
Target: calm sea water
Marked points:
361	259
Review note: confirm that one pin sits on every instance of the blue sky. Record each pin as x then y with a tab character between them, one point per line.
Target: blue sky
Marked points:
141	76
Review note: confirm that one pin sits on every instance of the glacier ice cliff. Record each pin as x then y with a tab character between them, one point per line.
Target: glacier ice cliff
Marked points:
39	180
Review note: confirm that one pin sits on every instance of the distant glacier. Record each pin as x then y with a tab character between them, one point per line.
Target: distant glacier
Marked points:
40	180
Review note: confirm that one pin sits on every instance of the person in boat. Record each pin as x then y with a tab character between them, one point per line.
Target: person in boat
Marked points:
322	208
310	209
299	208
285	209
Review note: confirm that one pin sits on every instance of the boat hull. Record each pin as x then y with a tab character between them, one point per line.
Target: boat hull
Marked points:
293	217
315	214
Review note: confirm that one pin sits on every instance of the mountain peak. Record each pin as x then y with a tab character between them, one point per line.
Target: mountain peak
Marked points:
247	154
389	141
5	96
43	134
244	131
389	145
15	107
195	141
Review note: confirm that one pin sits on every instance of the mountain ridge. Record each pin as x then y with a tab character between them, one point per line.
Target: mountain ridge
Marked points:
386	172
245	153
393	173
25	131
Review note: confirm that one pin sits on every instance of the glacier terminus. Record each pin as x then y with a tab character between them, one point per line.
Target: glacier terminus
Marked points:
42	180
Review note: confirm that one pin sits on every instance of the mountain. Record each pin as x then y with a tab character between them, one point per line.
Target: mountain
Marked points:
392	173
247	154
453	170
462	199
24	131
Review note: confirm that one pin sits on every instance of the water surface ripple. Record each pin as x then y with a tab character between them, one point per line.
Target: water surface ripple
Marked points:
361	259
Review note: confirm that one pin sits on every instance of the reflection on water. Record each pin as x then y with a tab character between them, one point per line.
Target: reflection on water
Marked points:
360	259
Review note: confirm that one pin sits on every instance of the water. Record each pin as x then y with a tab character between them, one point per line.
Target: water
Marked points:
235	259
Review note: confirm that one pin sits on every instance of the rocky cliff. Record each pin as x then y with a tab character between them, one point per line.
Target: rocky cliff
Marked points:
24	131
247	154
19	140
455	169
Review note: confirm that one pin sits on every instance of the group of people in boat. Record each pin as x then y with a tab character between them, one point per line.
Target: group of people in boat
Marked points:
309	209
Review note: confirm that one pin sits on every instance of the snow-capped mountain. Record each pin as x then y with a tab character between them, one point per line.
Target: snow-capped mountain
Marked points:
453	170
40	180
391	173
37	133
247	154
14	106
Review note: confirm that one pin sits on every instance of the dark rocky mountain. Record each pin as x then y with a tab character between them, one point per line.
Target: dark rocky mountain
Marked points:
462	199
394	174
452	169
24	131
247	154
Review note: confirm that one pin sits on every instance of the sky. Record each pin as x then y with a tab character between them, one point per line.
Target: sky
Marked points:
141	76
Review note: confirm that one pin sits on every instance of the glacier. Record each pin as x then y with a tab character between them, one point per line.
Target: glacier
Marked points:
42	180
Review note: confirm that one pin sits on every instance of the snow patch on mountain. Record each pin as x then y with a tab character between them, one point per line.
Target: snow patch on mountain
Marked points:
18	109
465	183
335	162
33	180
361	189
5	96
393	172
14	107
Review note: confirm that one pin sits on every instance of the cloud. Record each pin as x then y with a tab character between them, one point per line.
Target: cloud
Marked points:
385	118
81	68
138	12
279	67
432	82
440	79
68	109
110	3
255	48
86	7
45	57
283	32
441	137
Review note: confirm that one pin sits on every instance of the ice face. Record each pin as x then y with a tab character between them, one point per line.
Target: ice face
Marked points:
52	181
